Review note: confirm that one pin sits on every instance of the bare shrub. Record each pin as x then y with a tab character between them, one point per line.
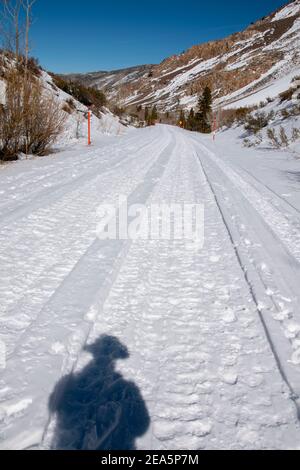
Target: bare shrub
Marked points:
285	114
119	111
43	119
30	120
258	121
290	112
11	119
248	143
295	110
295	134
286	95
253	143
31	64
273	138
283	137
231	116
71	103
66	108
69	106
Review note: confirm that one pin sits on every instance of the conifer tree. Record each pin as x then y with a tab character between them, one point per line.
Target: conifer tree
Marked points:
190	125
204	111
154	115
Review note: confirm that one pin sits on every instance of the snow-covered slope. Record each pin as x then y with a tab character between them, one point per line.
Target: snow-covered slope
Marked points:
290	10
246	97
236	66
76	127
2	91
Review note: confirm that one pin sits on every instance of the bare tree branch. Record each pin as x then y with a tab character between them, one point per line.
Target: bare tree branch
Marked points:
27	6
11	25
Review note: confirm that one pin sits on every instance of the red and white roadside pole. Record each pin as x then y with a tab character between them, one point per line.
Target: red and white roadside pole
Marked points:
89	126
215	126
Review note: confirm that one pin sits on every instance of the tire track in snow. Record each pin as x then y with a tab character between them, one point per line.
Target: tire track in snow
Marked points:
64	316
287	203
186	317
148	258
46	237
197	354
41	199
273	217
275	337
42	169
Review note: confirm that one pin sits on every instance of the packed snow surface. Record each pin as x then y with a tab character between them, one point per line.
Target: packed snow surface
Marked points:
151	344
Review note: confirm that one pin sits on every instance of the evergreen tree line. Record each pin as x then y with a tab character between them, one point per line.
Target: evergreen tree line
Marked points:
199	121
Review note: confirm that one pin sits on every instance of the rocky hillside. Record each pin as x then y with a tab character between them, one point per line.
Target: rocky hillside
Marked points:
234	67
112	80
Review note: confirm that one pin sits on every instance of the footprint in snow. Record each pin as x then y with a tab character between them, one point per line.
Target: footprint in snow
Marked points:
214	259
209	285
248	436
295	358
229	377
57	348
229	316
14	408
254	380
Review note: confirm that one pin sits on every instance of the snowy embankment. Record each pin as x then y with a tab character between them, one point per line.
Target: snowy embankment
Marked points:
278	104
202	347
76	128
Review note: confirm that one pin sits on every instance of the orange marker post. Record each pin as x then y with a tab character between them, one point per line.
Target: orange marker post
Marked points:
89	127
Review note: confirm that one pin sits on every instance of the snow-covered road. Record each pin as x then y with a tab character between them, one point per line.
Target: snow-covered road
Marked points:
147	344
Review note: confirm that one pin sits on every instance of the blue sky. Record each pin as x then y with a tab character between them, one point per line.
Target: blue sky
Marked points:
82	36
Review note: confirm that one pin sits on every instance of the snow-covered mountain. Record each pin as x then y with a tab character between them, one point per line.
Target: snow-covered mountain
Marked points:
235	67
113	79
